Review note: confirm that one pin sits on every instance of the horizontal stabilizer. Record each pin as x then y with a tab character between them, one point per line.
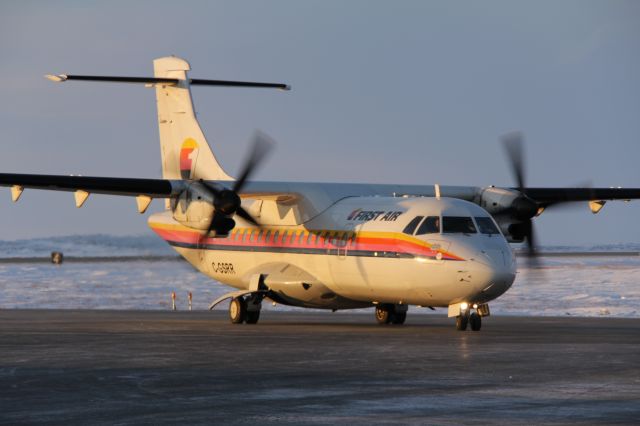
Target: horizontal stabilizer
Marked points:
112	79
200	82
168	81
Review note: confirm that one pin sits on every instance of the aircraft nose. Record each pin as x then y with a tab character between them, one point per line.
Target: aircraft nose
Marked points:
494	272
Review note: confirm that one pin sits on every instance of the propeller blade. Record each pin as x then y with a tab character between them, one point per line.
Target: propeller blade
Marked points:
513	144
262	144
523	207
531	239
246	216
212	225
227	201
533	259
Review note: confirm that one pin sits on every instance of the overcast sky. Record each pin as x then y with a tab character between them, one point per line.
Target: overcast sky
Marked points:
395	91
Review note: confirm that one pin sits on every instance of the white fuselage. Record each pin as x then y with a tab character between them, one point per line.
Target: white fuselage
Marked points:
355	254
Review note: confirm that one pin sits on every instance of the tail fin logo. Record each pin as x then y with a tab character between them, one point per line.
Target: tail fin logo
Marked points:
188	157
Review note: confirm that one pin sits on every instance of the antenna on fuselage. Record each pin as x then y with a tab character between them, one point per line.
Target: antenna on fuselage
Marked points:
437	188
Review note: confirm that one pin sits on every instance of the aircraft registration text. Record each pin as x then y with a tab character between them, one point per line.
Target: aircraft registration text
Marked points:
222	268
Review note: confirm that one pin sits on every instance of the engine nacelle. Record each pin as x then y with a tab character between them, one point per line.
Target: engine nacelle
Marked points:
497	200
510	209
194	207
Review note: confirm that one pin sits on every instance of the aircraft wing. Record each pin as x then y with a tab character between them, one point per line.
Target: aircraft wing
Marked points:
321	195
548	196
154	188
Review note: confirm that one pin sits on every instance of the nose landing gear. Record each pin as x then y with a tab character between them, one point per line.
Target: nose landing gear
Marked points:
474	319
462	320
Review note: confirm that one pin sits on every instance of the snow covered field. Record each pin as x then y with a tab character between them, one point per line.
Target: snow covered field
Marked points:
579	286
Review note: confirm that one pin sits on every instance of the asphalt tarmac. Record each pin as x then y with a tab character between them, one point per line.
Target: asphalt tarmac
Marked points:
155	367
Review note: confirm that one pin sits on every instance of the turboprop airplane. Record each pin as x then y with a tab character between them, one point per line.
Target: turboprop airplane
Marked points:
320	245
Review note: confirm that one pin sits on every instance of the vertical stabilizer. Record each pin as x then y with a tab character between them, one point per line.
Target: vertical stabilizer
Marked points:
183	147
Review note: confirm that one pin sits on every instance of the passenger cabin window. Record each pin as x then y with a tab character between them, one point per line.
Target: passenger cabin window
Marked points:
486	226
431	225
412	225
457	225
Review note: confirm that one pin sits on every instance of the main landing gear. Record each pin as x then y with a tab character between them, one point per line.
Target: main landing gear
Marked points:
472	319
245	309
387	313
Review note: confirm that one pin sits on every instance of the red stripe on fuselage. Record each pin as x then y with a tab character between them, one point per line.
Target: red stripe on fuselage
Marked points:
317	242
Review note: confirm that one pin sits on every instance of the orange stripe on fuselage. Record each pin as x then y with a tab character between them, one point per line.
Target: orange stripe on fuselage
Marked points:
247	238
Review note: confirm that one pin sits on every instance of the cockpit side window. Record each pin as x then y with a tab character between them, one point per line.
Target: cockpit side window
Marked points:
431	225
412	225
457	225
486	226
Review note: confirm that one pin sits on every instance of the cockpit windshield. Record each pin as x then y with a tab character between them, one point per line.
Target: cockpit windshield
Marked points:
457	225
486	226
411	227
431	225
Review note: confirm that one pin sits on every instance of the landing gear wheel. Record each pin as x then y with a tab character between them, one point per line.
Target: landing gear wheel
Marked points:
237	310
461	322
475	321
383	314
253	317
399	318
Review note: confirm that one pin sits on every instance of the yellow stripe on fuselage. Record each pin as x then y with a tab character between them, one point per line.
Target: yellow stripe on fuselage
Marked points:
382	236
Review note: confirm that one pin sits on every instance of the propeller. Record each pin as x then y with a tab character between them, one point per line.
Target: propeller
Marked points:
522	208
226	201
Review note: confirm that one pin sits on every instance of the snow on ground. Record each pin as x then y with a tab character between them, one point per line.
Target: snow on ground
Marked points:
105	285
87	245
579	286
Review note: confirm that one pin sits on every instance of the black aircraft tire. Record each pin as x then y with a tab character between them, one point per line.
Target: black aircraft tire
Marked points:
399	318
383	314
253	317
237	310
461	322
475	321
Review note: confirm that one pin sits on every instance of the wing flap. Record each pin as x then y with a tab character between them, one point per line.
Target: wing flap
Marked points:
278	197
